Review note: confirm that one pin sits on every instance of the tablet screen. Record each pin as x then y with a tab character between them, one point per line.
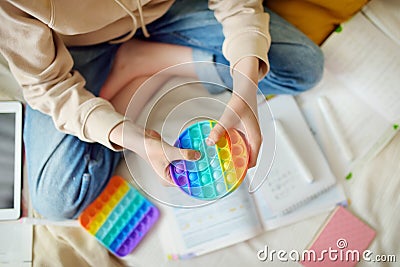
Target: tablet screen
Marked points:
7	159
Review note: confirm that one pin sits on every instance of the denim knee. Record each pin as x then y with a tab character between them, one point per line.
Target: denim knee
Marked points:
295	68
74	175
313	68
53	202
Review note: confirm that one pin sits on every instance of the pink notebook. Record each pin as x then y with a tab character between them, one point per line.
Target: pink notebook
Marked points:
340	242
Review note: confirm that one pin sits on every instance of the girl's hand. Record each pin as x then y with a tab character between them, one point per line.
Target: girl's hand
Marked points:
149	145
241	111
159	154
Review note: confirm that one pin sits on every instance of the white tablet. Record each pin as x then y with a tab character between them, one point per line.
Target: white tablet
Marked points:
10	159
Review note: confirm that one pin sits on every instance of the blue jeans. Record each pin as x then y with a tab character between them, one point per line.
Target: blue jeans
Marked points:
66	174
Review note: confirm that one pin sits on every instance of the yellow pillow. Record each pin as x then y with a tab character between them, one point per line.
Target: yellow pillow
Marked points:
316	18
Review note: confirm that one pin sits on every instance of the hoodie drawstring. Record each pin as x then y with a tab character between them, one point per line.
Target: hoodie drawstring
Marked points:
143	26
134	21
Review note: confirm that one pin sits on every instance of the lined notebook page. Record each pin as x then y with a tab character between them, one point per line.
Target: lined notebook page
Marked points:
386	16
285	188
364	130
368	62
362	85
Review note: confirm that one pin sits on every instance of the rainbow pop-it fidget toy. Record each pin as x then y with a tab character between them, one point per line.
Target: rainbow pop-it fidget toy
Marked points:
119	217
221	168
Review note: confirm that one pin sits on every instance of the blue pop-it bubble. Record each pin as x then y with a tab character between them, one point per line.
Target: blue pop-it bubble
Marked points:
221	168
120	217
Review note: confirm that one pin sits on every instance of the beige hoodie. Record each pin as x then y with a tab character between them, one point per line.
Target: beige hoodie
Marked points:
34	36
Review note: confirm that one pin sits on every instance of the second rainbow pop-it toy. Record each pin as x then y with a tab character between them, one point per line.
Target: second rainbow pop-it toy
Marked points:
119	217
221	168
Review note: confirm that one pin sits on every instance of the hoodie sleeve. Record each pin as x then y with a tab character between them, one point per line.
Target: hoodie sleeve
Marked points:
42	65
246	30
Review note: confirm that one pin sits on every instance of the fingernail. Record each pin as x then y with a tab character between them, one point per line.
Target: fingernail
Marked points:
197	155
210	142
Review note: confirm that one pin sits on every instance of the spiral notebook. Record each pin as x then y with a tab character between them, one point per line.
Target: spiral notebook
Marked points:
287	188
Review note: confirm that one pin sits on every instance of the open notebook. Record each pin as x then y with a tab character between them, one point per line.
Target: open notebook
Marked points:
287	187
286	197
361	84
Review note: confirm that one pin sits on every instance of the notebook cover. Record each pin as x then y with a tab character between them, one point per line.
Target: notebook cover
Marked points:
341	241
